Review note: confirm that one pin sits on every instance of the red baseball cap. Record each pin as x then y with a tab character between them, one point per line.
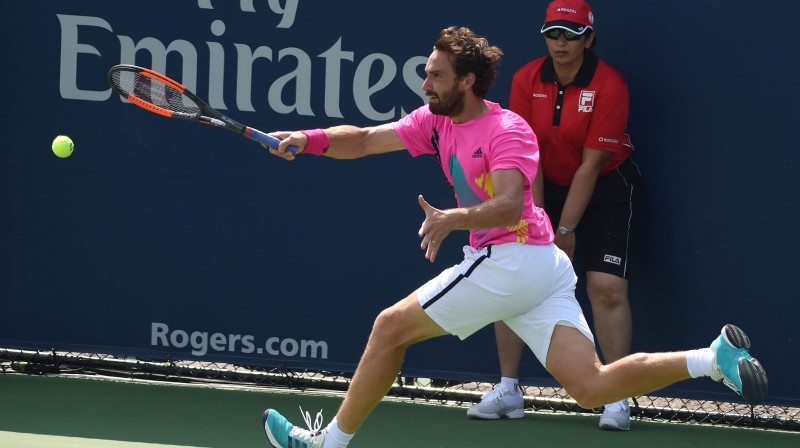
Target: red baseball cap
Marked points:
572	15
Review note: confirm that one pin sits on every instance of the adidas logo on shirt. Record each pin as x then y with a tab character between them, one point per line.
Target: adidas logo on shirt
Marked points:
477	154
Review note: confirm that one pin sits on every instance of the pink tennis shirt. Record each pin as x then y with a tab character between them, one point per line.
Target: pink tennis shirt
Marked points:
468	154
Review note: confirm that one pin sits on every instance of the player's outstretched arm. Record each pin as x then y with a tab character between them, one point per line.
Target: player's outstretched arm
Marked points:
340	142
350	142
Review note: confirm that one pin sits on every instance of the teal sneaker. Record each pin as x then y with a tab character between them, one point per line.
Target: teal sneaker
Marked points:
736	368
283	434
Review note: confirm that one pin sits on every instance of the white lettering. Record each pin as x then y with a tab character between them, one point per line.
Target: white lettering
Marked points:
179	338
218	342
232	338
158	334
413	79
199	342
302	87
216	68
286	343
287	12
607	140
270	346
333	68
315	347
362	91
158	53
248	346
290	92
244	74
70	48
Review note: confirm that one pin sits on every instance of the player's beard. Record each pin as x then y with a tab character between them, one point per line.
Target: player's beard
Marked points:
449	104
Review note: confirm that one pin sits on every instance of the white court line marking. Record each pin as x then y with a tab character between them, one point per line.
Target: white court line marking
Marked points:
25	440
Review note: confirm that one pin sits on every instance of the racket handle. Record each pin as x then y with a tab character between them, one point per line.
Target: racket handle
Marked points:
272	142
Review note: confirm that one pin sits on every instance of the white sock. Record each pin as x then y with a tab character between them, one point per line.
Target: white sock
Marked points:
511	384
336	438
700	362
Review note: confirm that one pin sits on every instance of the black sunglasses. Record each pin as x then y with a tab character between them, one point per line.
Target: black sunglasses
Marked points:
554	34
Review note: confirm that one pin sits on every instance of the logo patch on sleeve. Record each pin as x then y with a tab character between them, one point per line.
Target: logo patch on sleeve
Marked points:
612	259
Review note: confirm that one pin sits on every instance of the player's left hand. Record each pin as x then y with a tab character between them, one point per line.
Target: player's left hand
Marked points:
434	229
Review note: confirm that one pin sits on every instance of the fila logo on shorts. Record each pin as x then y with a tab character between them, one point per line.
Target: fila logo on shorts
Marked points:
586	101
612	259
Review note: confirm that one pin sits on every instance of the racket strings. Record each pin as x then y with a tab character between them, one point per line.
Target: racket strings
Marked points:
154	92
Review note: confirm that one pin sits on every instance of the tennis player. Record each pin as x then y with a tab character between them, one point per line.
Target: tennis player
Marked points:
511	271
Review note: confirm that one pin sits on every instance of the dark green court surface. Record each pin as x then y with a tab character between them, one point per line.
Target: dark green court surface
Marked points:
38	412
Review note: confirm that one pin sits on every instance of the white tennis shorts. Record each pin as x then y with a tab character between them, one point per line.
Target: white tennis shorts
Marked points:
529	287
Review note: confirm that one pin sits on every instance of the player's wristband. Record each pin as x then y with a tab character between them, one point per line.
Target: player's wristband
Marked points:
318	142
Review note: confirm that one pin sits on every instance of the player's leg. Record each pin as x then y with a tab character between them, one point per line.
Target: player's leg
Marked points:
394	330
558	334
460	301
573	361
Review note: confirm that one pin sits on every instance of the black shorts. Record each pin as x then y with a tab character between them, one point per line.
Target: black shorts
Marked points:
605	232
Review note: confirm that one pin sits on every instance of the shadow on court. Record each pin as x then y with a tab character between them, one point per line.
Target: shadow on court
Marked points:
86	412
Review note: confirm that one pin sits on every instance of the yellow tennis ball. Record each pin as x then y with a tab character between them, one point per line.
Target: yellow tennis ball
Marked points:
63	146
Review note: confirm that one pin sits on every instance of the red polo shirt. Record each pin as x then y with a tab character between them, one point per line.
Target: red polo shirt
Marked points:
590	112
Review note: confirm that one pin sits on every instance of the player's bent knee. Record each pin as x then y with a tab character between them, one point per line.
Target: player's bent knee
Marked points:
588	400
585	395
392	328
404	324
586	391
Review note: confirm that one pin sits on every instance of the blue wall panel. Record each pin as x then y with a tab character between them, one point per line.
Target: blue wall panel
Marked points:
159	236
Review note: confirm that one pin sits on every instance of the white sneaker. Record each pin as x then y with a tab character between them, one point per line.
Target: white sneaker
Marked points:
616	416
499	403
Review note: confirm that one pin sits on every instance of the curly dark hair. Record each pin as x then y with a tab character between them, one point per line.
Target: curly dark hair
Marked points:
471	54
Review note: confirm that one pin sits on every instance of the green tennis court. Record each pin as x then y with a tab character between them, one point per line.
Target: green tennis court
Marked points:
58	411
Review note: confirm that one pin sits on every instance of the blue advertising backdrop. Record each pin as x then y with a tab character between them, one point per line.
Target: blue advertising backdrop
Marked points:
159	236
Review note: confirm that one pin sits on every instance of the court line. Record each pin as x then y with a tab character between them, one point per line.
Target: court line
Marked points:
26	440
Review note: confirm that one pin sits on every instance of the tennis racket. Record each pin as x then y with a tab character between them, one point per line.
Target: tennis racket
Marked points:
157	93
